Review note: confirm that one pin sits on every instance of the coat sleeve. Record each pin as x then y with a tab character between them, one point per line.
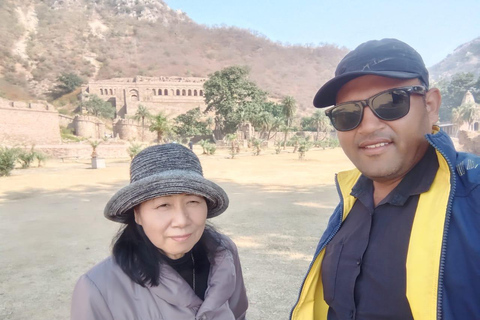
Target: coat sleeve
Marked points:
88	303
238	301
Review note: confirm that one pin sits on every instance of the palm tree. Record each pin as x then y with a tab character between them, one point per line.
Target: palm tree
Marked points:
289	107
142	114
466	113
285	129
232	139
321	122
160	125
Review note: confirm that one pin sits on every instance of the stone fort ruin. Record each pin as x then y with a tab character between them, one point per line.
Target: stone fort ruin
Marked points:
171	95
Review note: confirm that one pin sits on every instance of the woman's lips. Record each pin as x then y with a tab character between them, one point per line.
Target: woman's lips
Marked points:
181	238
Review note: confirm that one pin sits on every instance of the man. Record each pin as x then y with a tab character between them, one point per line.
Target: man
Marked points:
404	242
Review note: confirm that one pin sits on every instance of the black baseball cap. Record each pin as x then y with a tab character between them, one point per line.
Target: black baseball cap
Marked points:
390	58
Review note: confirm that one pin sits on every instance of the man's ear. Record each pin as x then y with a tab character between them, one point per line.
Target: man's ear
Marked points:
137	216
433	100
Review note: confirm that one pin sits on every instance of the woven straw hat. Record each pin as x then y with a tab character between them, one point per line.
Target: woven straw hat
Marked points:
163	170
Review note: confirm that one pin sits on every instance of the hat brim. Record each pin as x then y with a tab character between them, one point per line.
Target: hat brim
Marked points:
327	94
121	205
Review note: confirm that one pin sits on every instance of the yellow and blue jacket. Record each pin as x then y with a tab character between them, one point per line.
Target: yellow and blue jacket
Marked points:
443	259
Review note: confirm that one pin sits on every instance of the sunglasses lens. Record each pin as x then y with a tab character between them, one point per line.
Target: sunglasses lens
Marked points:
347	116
391	105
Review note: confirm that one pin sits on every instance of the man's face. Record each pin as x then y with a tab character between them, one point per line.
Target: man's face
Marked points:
386	150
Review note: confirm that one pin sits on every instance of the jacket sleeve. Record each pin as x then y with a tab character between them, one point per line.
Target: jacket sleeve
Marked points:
238	301
88	303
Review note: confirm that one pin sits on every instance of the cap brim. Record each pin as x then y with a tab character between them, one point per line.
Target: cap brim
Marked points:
327	94
174	182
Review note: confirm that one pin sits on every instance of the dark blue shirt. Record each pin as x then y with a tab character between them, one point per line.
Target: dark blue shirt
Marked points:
363	271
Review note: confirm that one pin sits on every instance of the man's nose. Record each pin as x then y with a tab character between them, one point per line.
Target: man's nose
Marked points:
370	122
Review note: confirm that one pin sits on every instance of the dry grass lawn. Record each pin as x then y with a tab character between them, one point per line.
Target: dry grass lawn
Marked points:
53	228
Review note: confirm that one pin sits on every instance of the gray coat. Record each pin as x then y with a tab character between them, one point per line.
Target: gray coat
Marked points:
107	293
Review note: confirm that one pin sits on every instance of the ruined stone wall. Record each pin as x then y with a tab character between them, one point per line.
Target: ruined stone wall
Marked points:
23	123
130	130
66	121
72	152
172	95
88	127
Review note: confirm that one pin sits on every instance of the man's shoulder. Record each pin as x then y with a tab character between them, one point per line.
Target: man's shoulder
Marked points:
467	168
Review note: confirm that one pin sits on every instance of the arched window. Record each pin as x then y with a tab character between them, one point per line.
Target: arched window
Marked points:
178	92
165	92
134	95
160	92
475	126
184	93
111	92
154	92
195	92
101	92
189	92
201	93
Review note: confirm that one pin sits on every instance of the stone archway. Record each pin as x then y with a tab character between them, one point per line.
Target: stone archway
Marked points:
134	95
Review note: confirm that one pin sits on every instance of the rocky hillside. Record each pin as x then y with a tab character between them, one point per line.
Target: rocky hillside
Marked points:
466	58
122	38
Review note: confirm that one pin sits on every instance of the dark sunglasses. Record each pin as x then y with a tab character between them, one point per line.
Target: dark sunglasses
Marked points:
387	105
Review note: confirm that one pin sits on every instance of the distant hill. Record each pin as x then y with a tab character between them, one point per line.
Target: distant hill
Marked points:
466	58
122	38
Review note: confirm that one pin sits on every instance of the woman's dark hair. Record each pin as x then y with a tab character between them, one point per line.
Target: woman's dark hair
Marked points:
138	257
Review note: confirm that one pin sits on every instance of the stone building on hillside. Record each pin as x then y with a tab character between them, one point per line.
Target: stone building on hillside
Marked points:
171	95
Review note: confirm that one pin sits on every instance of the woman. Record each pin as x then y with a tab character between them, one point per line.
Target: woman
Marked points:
166	263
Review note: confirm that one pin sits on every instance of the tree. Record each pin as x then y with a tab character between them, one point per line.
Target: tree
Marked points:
268	120
160	125
142	114
285	129
232	139
465	113
321	122
189	124
98	107
233	98
289	108
66	83
453	89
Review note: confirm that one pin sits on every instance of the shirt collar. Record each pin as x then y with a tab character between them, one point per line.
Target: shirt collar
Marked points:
417	181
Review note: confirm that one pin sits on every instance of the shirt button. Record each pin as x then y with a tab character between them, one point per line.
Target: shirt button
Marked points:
359	262
203	317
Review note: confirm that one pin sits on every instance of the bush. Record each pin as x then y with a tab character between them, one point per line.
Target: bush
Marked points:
211	148
8	157
41	158
26	158
134	149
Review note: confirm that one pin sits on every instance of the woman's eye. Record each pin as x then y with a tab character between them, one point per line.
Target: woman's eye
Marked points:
162	205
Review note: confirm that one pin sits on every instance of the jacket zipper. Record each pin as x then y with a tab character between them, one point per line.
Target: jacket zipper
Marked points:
317	251
445	230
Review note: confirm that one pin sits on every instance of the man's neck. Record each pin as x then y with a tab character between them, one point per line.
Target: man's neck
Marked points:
382	189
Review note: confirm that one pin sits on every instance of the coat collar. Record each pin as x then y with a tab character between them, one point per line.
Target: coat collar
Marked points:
221	284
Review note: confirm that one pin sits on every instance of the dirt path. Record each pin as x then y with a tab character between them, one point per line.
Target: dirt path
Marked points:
53	229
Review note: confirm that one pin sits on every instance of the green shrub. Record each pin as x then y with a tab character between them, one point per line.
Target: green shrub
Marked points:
134	149
8	157
26	158
41	158
211	148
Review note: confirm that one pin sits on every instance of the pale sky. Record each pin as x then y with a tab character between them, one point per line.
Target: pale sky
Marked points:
433	28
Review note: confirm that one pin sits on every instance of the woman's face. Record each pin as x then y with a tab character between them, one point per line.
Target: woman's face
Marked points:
173	223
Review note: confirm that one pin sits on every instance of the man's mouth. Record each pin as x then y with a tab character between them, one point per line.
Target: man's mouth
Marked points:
377	145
